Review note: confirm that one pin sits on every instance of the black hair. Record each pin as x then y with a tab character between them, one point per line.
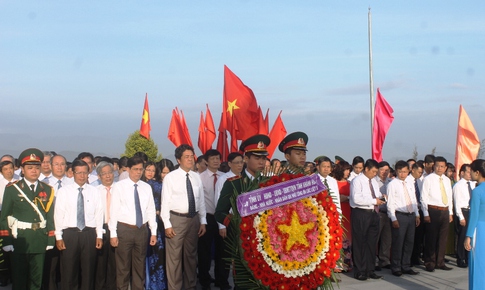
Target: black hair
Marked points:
233	156
339	169
84	155
440	159
464	167
210	153
79	163
357	160
135	160
401	164
478	165
418	165
371	163
323	159
383	164
181	149
429	158
142	155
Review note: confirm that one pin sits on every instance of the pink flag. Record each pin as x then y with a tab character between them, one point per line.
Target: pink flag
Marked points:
382	122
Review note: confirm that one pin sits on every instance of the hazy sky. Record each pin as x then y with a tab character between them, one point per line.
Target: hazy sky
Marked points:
73	74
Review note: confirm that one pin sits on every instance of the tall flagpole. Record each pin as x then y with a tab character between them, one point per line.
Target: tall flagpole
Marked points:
371	81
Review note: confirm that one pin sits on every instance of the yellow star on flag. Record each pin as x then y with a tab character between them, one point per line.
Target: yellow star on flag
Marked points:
296	231
145	116
231	106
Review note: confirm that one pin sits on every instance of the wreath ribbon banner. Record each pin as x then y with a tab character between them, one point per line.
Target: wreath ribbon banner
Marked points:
279	194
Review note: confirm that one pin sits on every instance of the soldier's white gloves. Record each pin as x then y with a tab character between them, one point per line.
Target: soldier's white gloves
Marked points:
8	248
49	248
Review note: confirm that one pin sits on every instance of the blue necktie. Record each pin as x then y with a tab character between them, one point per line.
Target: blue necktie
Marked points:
190	197
416	188
80	210
59	184
139	218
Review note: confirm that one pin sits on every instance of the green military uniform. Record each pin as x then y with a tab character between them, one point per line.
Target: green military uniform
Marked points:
255	145
21	225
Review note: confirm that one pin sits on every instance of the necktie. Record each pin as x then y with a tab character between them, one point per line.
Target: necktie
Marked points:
469	192
190	197
139	218
416	188
376	207
444	197
59	184
80	210
409	205
215	180
32	186
108	202
46	180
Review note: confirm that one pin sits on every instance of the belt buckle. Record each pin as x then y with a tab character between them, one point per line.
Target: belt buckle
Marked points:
35	226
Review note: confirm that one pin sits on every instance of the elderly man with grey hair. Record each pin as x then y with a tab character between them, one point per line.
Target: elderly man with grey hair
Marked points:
8	157
106	264
45	167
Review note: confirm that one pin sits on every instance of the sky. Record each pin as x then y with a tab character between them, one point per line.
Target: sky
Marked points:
74	74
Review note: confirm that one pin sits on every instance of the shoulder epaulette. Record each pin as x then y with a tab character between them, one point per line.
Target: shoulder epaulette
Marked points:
234	178
12	183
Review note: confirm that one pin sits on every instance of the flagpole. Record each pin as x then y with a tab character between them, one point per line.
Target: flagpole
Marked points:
371	80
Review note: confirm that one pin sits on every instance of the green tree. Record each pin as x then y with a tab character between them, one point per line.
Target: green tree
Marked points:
137	143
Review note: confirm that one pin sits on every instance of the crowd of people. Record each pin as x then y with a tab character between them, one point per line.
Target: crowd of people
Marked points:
114	223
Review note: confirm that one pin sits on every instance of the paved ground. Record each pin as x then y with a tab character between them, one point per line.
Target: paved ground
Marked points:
439	279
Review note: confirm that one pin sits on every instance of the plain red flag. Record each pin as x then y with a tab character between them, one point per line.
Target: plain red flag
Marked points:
467	142
177	131
239	107
263	122
202	134
145	120
382	122
277	134
210	129
222	141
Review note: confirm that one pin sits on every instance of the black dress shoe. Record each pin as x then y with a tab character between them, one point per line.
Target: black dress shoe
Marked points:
375	276
410	272
446	268
462	266
377	268
361	277
387	267
429	269
397	273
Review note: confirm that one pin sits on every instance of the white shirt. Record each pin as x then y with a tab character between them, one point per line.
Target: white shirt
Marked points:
123	175
333	190
461	196
431	193
352	176
3	184
43	177
396	198
93	176
122	207
65	210
360	194
103	192
174	195
219	185
54	182
411	180
207	178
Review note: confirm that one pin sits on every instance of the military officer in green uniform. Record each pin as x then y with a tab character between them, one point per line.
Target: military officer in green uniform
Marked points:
27	222
294	148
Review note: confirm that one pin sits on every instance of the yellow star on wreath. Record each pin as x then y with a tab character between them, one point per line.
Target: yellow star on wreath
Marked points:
296	231
231	106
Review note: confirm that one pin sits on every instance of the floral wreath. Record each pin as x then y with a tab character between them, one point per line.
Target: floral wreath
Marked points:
294	246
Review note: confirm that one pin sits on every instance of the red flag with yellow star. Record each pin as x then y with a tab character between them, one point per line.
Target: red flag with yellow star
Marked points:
240	108
145	120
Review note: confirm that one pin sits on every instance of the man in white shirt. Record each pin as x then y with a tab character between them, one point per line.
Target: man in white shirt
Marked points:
415	179
357	167
209	179
462	192
324	168
132	208
384	237
89	159
78	217
436	201
57	180
46	167
10	158
106	262
428	164
402	209
365	199
184	216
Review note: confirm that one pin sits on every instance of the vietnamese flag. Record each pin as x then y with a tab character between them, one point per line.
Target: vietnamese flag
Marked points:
263	122
185	129
277	134
145	127
382	122
240	108
202	134
222	141
210	129
467	142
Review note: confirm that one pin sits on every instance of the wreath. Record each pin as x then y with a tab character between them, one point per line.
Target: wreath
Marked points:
292	246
